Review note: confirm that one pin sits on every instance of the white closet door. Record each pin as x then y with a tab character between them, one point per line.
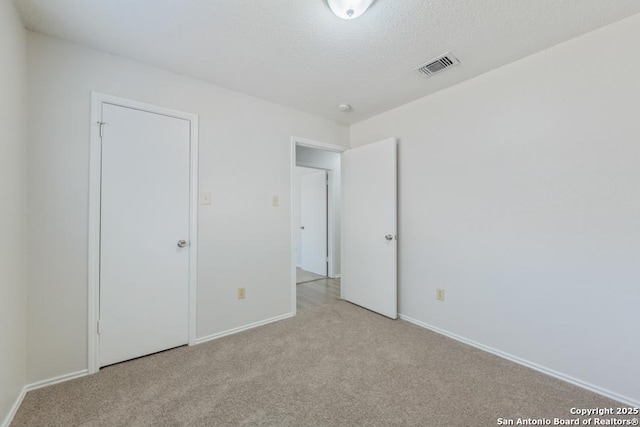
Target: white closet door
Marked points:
144	233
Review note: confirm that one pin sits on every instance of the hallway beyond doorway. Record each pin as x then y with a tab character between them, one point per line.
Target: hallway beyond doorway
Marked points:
304	276
316	293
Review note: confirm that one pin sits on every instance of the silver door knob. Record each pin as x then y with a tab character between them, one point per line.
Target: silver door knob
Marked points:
182	243
389	237
302	228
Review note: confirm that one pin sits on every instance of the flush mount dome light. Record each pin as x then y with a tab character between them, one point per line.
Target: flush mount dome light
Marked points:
349	9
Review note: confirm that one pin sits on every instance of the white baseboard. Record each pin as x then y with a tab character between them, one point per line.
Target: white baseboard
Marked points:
35	386
84	372
559	375
56	380
515	359
243	328
14	408
335	276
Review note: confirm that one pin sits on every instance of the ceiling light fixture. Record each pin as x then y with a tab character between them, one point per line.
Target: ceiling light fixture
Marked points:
349	9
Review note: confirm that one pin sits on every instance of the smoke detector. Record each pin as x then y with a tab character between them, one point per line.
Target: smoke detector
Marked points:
437	65
345	108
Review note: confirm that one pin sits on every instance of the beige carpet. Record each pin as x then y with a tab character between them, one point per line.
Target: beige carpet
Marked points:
333	365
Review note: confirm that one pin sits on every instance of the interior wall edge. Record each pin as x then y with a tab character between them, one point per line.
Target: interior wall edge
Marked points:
14	408
40	384
13	173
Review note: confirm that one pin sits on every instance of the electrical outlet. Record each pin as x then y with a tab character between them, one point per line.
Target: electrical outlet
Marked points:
242	293
440	294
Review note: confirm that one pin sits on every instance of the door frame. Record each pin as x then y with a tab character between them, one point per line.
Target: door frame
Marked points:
95	182
295	141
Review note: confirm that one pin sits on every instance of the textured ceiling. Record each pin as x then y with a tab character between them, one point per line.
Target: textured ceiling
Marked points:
297	53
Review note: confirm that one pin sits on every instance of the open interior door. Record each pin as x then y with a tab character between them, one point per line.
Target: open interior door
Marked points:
369	228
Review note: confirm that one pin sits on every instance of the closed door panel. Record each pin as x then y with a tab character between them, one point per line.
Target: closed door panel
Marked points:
369	212
313	215
144	273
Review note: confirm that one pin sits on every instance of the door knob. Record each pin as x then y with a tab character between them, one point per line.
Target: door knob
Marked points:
302	227
182	243
389	237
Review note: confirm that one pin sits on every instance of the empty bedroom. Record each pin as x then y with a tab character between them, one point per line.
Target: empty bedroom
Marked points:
319	213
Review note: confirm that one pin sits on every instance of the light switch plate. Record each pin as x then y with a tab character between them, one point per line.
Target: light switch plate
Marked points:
275	201
205	198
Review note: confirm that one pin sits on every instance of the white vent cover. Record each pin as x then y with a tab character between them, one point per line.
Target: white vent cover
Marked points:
436	65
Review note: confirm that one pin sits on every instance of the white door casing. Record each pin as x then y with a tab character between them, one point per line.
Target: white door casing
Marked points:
298	141
313	217
143	194
369	227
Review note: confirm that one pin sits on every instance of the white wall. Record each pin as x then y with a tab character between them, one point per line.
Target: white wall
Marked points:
328	160
243	240
519	196
12	207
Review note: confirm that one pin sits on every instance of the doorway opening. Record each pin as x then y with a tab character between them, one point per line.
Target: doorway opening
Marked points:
316	223
367	214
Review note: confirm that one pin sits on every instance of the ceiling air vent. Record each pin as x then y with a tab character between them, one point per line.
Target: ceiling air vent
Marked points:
441	63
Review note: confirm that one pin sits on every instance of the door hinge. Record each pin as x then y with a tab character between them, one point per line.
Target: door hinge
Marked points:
100	127
327	259
98	327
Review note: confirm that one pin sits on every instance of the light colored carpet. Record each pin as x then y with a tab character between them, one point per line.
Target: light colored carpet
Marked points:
333	365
